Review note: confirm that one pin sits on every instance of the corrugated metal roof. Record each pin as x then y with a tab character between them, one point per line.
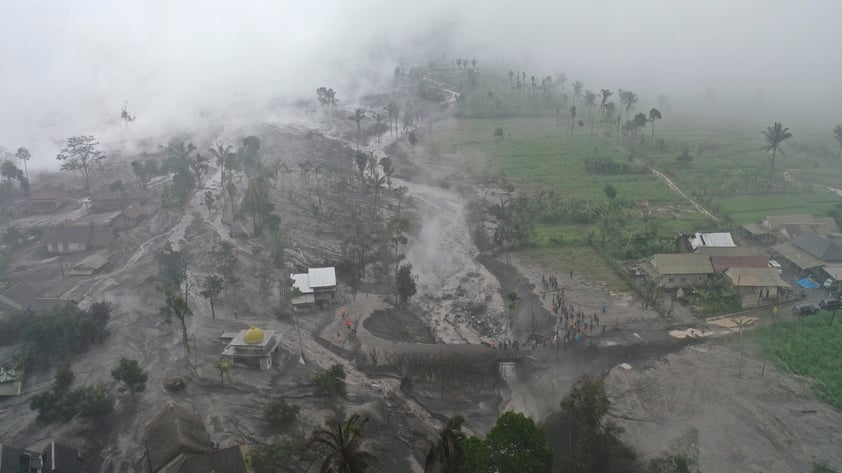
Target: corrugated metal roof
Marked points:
738	251
775	222
718	240
301	282
67	234
756	229
834	271
755	277
322	277
796	256
682	263
721	263
819	246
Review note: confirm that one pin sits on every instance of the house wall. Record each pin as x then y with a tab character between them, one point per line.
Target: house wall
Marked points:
108	205
39	207
674	281
757	296
64	248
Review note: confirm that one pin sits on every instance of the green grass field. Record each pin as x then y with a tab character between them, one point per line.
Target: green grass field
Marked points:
809	347
537	155
724	177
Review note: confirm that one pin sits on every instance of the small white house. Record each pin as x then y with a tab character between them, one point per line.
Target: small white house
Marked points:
315	287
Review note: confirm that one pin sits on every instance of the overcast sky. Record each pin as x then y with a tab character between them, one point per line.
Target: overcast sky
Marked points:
68	66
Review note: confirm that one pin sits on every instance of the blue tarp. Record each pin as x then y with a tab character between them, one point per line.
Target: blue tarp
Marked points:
808	283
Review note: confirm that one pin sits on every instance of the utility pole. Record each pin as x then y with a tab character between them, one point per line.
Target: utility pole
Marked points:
300	346
61	267
532	309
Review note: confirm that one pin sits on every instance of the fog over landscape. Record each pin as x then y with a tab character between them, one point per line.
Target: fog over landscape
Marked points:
440	236
70	66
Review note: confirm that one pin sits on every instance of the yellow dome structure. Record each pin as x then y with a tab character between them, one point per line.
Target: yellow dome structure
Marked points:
253	336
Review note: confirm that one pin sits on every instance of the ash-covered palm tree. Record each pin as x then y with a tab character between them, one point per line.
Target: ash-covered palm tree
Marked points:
654	114
447	454
837	135
342	442
775	135
24	156
358	117
221	152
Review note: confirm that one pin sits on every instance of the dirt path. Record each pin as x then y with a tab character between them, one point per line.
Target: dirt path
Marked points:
678	191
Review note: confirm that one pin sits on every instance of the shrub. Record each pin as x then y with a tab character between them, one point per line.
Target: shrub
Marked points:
330	381
279	413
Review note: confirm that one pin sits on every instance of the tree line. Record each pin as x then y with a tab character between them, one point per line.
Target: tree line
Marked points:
576	438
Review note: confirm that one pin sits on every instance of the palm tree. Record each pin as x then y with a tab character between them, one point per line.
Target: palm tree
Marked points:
358	117
837	135
449	449
775	135
577	90
628	99
572	118
221	152
654	114
605	94
342	443
24	156
590	103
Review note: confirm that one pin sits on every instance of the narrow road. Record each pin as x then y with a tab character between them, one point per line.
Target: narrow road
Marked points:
678	191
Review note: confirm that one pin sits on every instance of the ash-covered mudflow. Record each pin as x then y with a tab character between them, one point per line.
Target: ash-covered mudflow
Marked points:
392	236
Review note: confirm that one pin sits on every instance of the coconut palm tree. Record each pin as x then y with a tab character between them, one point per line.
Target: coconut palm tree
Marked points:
577	90
628	99
221	153
590	103
654	114
572	118
775	135
837	135
341	442
447	454
23	156
605	94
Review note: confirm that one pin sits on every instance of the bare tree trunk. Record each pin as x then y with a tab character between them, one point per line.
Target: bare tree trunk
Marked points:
772	166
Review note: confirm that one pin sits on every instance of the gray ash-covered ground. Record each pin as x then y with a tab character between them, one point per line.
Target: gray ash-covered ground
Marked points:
458	310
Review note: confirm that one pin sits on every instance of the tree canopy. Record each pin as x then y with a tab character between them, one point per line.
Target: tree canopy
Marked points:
80	154
514	445
131	376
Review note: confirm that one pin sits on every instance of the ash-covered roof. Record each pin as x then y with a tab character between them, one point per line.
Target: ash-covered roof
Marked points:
67	234
682	263
173	432
755	277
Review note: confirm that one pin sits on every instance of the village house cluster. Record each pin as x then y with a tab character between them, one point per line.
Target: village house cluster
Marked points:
778	258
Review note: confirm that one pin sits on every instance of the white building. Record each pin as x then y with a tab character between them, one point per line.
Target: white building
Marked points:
315	287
